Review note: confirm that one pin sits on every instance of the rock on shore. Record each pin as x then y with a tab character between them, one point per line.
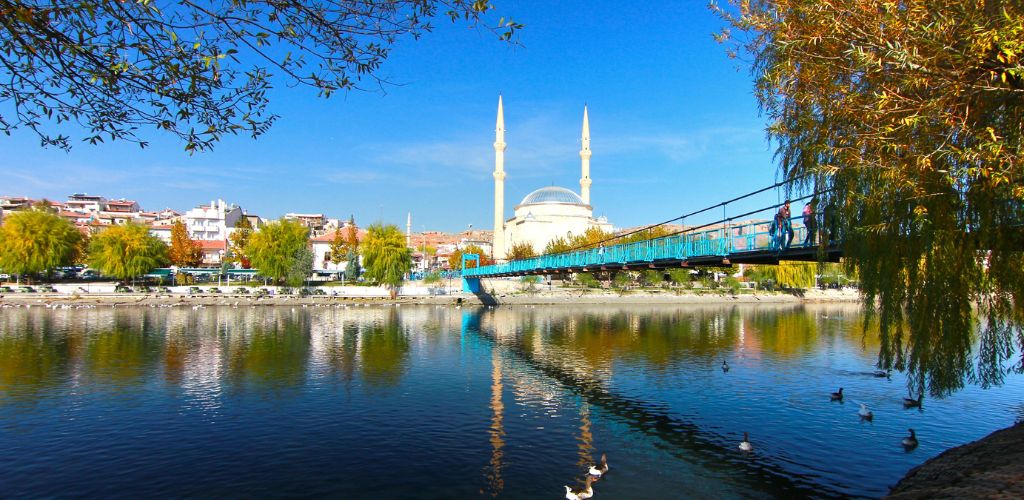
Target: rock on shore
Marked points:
991	467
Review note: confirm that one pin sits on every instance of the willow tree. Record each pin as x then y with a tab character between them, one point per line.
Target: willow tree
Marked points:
274	249
385	256
908	116
195	70
126	251
33	241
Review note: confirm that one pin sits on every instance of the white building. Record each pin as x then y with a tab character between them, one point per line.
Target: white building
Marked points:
544	214
323	259
212	222
85	203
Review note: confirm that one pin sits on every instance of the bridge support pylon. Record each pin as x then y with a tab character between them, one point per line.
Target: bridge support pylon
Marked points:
471	285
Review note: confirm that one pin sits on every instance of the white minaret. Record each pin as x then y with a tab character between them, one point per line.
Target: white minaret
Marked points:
408	230
585	157
498	243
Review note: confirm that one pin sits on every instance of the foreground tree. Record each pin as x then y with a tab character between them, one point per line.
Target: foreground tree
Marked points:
196	70
907	117
274	248
126	251
34	241
385	256
184	251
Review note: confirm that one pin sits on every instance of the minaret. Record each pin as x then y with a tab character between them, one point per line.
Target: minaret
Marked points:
585	157
408	230
498	243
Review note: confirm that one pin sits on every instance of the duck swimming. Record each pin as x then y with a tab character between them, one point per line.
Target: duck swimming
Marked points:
583	493
865	413
725	366
745	445
600	469
837	396
910	442
913	403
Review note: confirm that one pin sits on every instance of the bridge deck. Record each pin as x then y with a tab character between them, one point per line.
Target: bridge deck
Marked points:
752	243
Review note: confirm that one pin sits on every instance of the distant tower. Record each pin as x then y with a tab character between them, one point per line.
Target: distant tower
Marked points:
498	243
585	157
408	230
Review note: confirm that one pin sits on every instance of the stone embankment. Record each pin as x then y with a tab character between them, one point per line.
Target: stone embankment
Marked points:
554	296
991	467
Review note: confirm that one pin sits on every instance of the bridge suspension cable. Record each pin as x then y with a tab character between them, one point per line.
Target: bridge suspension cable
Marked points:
697	212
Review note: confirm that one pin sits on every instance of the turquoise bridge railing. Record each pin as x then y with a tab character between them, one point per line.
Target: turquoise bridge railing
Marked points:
754	239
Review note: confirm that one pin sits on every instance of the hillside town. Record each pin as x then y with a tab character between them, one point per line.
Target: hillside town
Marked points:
211	224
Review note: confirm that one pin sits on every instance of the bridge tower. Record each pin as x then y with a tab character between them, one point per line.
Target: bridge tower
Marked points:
585	158
498	242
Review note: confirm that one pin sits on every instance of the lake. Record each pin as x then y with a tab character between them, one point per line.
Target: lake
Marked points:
446	402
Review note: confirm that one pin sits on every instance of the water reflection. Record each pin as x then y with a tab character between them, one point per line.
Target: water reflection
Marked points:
511	401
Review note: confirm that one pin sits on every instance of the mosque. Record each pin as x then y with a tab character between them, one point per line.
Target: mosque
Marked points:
547	213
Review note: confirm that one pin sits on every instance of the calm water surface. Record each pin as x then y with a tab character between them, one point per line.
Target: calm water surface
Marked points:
439	402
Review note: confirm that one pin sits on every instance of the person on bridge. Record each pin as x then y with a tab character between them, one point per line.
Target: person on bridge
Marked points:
784	227
810	222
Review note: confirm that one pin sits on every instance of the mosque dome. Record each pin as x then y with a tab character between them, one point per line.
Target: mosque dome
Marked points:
552	195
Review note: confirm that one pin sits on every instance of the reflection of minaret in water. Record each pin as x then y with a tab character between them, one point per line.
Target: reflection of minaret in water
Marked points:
586	439
497	431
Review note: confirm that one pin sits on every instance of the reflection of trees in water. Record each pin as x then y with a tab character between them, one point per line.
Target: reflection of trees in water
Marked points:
341	352
383	352
33	356
125	353
273	353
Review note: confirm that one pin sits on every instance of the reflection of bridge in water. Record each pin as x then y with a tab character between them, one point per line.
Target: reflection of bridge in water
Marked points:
723	242
685	440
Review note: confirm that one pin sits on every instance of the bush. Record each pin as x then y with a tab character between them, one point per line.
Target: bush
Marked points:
431	278
588	280
732	284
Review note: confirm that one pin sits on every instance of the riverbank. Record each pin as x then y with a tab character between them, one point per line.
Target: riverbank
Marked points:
991	467
546	297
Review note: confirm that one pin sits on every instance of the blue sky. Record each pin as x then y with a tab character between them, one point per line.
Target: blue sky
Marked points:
674	127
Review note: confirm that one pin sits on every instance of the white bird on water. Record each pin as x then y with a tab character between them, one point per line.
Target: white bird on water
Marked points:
745	445
581	493
865	413
600	469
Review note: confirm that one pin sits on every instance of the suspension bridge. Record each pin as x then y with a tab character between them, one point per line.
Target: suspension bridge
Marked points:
727	241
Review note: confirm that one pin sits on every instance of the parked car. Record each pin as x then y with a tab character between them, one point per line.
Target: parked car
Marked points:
5	277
